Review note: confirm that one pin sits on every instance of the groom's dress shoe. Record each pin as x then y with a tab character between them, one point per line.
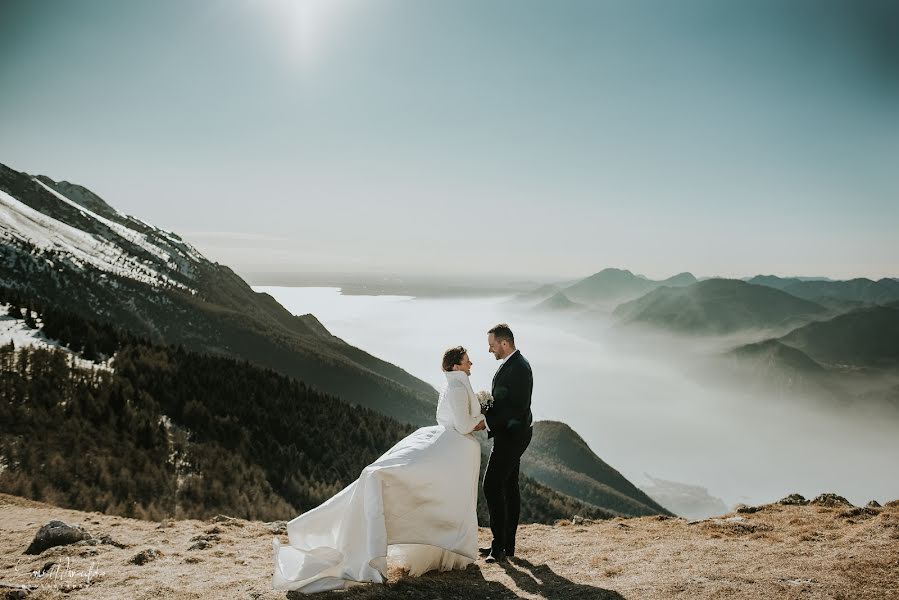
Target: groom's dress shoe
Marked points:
496	557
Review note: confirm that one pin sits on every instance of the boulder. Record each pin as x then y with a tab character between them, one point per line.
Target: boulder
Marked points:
793	500
831	501
56	533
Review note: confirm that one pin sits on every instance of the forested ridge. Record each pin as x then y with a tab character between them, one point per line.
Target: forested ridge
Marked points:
168	432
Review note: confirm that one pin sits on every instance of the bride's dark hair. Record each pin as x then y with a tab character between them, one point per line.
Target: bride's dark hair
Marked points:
453	357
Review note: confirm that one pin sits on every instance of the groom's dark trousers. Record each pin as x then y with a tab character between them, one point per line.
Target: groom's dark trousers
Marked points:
509	423
501	488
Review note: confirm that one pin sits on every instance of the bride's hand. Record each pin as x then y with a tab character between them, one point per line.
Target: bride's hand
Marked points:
480	426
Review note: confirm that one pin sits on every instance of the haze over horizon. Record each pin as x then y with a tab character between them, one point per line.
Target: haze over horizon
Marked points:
392	137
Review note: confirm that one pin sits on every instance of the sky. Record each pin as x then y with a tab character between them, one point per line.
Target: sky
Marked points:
474	137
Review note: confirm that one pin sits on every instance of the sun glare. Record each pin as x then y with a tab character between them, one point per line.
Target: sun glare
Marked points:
308	26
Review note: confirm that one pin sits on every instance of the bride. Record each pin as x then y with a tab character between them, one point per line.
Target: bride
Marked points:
416	504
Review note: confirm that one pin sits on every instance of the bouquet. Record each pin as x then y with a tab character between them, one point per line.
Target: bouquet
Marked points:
485	400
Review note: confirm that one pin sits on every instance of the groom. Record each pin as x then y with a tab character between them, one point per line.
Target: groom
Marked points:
509	423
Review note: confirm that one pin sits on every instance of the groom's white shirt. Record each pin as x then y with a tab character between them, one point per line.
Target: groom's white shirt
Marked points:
501	363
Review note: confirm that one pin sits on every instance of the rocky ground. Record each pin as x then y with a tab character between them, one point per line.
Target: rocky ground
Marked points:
826	549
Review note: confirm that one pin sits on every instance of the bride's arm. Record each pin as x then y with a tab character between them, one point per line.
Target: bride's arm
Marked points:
463	420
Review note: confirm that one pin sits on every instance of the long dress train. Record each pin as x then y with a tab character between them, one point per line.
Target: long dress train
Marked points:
416	504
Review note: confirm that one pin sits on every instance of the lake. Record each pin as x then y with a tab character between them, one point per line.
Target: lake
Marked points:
639	412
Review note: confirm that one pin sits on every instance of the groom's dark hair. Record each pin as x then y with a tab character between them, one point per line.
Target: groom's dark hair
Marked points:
453	357
502	332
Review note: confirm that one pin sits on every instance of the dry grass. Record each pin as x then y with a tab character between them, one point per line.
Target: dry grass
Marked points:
777	552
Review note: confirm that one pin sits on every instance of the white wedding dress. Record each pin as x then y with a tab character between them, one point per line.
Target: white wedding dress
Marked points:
416	504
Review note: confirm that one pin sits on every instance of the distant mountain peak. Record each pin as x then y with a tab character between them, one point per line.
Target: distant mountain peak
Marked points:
559	302
685	278
718	306
613	271
559	457
83	196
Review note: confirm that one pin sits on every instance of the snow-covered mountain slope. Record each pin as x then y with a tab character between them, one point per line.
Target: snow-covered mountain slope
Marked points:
21	223
72	224
63	248
17	332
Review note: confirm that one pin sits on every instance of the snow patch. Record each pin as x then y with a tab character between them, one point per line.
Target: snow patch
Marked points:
16	331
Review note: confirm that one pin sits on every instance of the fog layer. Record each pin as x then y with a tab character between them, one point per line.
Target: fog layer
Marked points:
643	407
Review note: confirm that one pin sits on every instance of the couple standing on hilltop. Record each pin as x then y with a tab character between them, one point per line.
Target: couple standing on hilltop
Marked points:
418	502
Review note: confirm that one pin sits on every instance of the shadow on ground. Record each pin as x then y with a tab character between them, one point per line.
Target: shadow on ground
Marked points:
534	580
543	581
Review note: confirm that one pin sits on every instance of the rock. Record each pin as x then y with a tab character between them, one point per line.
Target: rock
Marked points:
863	512
102	539
226	520
892	503
12	591
105	539
743	509
277	527
47	567
145	556
736	525
206	537
793	500
579	520
873	504
56	533
200	545
831	501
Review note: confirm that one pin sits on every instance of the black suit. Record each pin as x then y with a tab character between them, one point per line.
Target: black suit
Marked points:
509	423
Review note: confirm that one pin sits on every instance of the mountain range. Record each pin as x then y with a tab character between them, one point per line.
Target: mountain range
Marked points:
65	251
834	340
114	268
603	290
860	290
712	306
718	306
